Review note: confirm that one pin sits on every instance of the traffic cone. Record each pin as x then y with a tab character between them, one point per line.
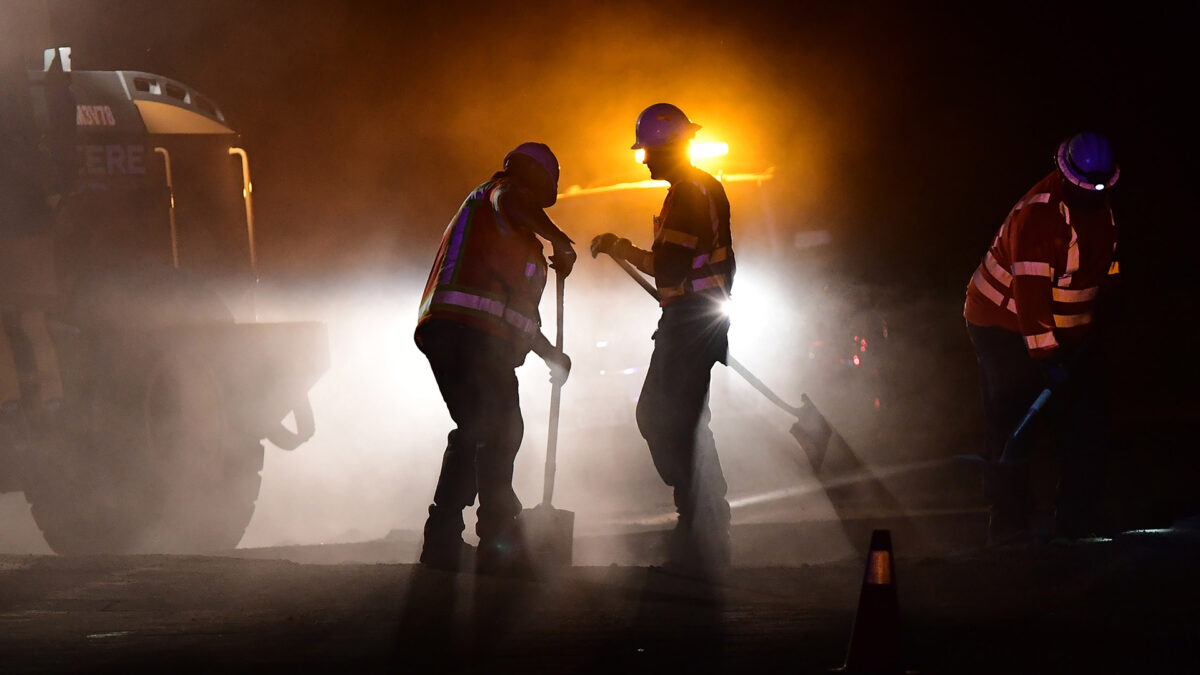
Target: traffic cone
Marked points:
875	639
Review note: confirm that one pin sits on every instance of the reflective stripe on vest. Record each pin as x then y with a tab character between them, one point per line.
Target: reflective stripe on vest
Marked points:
1072	320
458	234
1072	247
705	283
1074	295
1041	340
991	293
1039	198
678	238
1032	269
994	268
716	256
481	304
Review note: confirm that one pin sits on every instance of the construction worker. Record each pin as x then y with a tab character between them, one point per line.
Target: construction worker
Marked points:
1029	312
478	320
691	260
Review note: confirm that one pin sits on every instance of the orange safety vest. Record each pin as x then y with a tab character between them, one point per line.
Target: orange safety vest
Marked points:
709	265
1042	274
488	273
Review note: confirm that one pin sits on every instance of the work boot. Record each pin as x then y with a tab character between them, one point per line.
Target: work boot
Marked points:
505	555
443	547
451	556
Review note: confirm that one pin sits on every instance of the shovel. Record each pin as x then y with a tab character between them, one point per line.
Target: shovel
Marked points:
1018	445
811	430
549	532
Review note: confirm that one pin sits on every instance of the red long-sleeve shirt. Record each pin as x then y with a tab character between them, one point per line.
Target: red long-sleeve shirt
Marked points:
1042	274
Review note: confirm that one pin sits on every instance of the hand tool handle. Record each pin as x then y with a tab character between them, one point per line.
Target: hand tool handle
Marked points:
733	363
560	283
1014	447
636	276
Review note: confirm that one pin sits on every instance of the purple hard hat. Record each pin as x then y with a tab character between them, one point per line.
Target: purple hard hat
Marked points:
662	124
1086	160
540	153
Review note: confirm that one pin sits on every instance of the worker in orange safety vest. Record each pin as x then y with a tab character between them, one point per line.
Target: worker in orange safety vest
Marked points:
1029	308
692	262
478	320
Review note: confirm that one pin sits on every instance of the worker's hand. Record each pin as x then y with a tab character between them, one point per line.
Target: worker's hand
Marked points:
605	243
560	366
563	260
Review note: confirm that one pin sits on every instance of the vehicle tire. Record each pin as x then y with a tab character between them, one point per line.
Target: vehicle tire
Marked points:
143	457
169	475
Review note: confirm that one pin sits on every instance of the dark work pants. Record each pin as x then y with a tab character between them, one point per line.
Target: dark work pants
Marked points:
477	378
1010	380
672	415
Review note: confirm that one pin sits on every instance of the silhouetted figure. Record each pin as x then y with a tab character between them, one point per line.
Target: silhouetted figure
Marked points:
692	263
478	320
1029	310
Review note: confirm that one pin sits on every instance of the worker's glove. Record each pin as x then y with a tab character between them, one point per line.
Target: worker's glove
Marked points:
560	367
608	243
1054	373
563	261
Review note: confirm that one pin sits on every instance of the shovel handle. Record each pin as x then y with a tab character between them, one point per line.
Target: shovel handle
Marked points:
636	276
733	363
560	284
762	387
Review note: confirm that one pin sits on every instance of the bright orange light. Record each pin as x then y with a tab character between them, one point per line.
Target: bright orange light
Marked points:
706	150
579	190
698	151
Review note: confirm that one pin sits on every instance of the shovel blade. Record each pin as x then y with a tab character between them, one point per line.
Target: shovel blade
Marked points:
813	432
549	536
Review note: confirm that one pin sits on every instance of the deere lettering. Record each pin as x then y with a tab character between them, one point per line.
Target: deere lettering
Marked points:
110	160
94	116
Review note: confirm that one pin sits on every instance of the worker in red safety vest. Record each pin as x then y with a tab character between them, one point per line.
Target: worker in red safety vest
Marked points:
478	320
1029	309
692	262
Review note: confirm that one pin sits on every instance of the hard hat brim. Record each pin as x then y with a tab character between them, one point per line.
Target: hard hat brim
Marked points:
691	131
1078	179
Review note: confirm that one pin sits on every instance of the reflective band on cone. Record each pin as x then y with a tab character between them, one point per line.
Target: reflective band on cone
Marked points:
875	638
879	568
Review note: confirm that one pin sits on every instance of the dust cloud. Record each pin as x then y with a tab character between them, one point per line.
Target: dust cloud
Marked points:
373	464
368	123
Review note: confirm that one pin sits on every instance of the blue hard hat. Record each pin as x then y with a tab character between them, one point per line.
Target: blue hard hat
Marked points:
1086	159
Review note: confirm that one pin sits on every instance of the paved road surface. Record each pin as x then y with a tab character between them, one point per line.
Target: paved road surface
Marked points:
1130	605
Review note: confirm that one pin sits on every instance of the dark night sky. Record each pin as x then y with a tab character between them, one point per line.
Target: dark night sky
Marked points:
906	129
372	118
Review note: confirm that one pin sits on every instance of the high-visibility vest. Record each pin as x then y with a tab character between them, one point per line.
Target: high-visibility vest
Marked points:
1042	274
488	273
693	247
